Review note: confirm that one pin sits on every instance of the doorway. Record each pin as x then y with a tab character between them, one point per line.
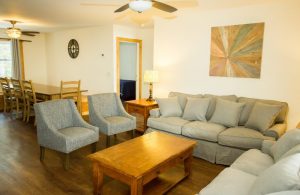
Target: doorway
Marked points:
129	68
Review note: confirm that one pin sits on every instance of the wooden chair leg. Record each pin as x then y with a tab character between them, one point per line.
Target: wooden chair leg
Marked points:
94	147
67	161
28	113
107	141
42	153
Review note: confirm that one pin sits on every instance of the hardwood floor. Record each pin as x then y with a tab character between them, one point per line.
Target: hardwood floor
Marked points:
21	172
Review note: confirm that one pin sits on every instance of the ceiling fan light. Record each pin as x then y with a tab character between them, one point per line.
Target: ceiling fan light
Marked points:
13	33
140	5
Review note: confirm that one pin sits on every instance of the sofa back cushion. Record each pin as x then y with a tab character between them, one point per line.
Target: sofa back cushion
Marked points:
262	116
212	104
169	107
227	113
182	98
282	176
195	109
285	143
249	103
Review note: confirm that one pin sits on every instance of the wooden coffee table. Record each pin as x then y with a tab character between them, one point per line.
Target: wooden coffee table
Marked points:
144	163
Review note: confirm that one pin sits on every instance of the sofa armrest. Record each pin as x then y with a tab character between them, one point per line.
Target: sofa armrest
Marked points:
276	130
155	113
266	146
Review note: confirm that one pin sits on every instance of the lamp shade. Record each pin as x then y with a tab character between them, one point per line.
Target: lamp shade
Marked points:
151	76
13	33
140	5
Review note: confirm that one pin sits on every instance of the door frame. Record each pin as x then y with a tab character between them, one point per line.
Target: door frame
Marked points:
120	40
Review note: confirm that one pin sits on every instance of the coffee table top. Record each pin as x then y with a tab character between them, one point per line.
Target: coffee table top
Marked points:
138	156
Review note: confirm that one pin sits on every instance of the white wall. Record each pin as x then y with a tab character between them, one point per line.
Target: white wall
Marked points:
182	53
35	62
146	35
94	70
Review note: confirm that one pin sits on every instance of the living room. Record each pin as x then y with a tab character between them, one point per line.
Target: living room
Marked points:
177	45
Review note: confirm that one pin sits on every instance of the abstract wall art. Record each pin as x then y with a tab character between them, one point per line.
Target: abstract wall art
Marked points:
236	51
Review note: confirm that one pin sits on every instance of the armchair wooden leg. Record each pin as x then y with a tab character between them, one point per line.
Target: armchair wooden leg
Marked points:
94	147
67	161
42	153
107	141
133	133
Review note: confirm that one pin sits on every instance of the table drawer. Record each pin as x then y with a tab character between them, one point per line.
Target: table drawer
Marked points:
136	109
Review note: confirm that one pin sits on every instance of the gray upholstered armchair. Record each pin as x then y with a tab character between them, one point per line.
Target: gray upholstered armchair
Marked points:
60	127
107	112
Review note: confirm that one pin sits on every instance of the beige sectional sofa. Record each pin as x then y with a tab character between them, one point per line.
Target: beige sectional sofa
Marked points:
273	170
216	142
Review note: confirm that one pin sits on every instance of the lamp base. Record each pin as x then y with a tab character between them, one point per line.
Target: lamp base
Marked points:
150	99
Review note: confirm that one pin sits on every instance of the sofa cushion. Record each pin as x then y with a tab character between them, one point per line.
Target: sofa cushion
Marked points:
282	176
262	116
169	124
253	161
169	107
230	182
202	130
182	97
249	103
242	137
195	109
281	117
212	104
289	140
227	113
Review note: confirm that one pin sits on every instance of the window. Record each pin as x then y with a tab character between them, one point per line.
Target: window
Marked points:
5	59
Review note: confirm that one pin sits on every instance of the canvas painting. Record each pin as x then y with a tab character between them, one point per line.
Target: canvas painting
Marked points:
236	51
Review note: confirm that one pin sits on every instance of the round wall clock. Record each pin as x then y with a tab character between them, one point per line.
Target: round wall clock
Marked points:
73	48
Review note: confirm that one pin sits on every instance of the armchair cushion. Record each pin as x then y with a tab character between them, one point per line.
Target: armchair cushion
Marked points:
120	123
263	116
195	109
169	107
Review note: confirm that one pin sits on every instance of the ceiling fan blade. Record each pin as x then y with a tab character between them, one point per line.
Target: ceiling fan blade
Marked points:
163	6
98	4
123	8
28	34
31	32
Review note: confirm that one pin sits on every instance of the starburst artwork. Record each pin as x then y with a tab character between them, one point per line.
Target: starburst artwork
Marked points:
236	51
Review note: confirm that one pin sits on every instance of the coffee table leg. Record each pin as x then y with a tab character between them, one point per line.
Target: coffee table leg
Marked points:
136	187
97	179
188	165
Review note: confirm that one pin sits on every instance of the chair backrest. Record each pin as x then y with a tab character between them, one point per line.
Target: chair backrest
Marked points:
29	91
70	90
18	89
6	88
105	103
56	114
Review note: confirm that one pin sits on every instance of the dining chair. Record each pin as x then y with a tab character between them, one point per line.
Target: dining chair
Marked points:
60	127
30	98
107	112
19	97
7	94
71	90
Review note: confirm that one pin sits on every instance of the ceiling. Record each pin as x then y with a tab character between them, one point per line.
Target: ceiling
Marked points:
53	15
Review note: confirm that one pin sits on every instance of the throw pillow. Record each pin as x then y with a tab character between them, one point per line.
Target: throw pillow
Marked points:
262	116
227	113
282	176
249	104
195	109
169	106
289	140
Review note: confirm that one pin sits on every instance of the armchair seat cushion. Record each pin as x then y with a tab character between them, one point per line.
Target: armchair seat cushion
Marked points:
76	137
253	161
169	124
120	124
230	181
202	130
242	137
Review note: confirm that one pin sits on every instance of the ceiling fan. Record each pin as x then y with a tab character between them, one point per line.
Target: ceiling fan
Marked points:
15	33
143	5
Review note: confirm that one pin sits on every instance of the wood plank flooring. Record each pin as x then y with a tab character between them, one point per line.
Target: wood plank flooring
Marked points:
21	172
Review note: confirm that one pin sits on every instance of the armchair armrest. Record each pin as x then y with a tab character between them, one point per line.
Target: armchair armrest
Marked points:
79	122
276	130
266	146
123	111
155	113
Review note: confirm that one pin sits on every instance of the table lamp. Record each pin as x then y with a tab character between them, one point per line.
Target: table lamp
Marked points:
150	76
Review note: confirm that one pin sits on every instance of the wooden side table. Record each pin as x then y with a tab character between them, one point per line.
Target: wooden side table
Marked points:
140	109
